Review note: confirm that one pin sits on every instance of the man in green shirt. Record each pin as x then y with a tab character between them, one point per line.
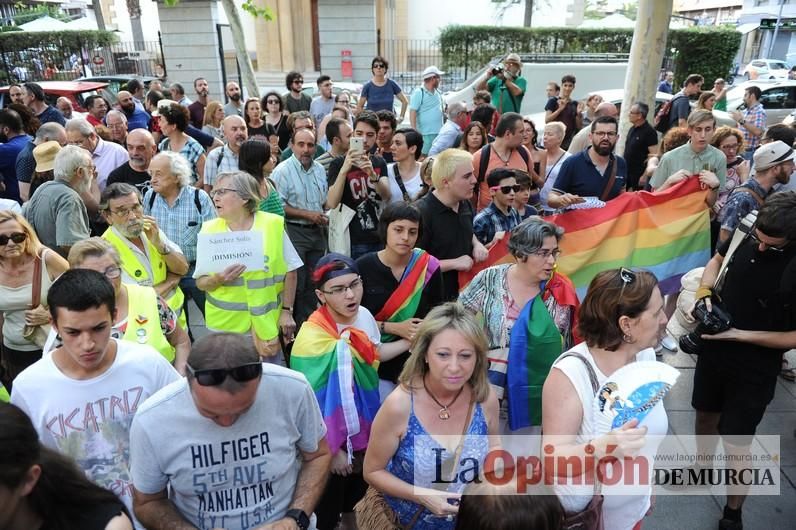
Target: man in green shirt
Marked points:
506	85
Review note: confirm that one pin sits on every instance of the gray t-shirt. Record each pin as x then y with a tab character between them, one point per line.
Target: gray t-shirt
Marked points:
235	477
230	109
58	215
319	108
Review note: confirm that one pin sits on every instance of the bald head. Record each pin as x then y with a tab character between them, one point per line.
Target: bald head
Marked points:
233	91
235	131
126	101
606	108
65	106
141	148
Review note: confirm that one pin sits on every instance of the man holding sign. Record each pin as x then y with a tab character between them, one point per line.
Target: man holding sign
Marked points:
247	266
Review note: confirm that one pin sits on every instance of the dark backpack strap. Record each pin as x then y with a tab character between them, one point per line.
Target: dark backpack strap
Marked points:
196	200
595	384
525	155
485	152
400	182
151	199
756	196
219	159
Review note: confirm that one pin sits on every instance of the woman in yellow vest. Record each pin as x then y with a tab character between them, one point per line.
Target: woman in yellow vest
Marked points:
256	301
141	315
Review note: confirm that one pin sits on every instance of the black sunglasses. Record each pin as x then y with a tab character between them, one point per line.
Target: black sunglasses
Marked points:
16	237
507	189
216	376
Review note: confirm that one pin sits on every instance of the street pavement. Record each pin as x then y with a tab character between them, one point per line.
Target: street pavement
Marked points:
697	512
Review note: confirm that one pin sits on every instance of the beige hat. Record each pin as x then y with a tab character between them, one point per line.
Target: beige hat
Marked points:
513	58
44	155
162	104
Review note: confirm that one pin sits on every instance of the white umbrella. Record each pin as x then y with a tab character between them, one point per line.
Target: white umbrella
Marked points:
82	23
616	20
44	24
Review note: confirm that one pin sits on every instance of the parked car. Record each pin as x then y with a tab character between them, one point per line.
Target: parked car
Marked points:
765	69
75	91
119	82
778	98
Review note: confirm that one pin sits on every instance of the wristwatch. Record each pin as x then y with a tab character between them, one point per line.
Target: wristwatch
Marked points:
741	121
301	518
287	308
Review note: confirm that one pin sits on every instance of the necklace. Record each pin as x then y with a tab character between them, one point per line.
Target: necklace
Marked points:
444	413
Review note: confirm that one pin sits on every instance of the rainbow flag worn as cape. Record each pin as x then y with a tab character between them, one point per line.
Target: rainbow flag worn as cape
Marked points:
342	369
667	233
403	302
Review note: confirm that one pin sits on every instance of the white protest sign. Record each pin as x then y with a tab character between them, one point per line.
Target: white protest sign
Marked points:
216	252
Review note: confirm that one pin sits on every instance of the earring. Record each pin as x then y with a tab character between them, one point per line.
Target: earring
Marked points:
627	338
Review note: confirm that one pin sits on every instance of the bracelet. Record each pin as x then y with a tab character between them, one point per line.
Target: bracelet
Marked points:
381	327
287	308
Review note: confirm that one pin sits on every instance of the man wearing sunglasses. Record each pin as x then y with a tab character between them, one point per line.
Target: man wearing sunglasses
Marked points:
500	217
295	100
236	445
736	370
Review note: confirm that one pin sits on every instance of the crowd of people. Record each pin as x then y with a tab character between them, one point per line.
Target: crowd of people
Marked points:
352	343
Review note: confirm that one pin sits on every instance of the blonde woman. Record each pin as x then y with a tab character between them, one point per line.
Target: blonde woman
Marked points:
214	114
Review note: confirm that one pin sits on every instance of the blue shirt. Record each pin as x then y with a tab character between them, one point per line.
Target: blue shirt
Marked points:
51	114
665	87
8	165
491	220
740	203
300	188
578	175
182	221
26	164
380	97
428	106
139	119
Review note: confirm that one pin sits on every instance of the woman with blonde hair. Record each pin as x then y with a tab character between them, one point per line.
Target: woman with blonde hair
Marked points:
27	269
706	101
443	391
553	135
214	114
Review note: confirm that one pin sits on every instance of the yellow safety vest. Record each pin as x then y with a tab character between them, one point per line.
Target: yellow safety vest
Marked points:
140	273
143	320
254	299
4	397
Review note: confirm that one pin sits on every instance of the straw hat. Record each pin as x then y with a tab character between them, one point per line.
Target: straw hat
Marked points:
44	155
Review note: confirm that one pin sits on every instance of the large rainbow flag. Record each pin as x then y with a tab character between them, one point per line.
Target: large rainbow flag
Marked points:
342	369
665	232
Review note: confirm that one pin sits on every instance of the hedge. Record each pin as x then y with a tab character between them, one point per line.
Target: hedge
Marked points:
24	40
710	49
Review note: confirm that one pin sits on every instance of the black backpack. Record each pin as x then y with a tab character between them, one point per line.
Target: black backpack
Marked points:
663	120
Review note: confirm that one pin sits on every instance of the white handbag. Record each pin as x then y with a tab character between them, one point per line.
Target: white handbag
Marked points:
339	238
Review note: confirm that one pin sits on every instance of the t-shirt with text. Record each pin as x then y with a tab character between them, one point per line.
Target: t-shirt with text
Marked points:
360	195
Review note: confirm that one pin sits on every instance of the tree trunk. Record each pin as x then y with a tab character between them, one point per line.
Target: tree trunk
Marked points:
528	13
646	57
98	14
246	69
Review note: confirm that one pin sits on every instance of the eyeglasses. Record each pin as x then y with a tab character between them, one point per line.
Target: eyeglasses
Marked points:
272	102
219	192
216	376
628	277
112	272
340	289
730	147
506	189
299	81
16	237
604	134
546	253
379	65
752	235
343	101
125	212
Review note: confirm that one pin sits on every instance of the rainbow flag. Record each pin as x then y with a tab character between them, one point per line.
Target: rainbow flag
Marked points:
342	369
665	232
403	302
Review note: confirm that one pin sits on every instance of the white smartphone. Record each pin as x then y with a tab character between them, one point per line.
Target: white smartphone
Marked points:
356	144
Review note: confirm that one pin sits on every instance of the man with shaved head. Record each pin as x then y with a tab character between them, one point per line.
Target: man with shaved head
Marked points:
136	117
581	140
234	95
65	106
141	148
225	158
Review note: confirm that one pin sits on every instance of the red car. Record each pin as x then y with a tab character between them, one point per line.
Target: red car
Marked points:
74	91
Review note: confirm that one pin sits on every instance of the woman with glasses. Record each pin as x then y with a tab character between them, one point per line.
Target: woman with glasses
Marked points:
274	115
259	301
730	141
339	349
529	314
443	392
142	316
380	92
621	320
23	328
174	119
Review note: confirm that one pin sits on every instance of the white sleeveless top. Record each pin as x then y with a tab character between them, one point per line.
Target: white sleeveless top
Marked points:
619	511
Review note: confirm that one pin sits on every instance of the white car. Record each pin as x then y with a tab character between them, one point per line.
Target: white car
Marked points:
778	98
765	69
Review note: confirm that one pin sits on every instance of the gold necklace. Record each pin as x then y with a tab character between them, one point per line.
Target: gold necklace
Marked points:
444	413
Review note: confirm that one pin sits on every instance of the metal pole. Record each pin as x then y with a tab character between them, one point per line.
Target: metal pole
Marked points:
221	56
378	42
776	29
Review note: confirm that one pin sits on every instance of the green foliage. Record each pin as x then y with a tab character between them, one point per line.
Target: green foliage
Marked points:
705	50
257	12
15	41
27	14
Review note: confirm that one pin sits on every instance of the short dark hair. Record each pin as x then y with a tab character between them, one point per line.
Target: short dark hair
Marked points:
11	119
178	87
483	114
755	91
380	59
322	79
197	80
598	317
254	154
368	117
398	211
781	132
413	139
277	96
89	101
523	179
555	85
176	115
496	175
81	290
694	79
604	119
153	96
484	96
506	123
388	115
333	128
223	350
777	216
643	108
290	77
36	90
134	85
568	78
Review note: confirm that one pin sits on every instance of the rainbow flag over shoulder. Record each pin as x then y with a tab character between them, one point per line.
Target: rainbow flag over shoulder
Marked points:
403	302
665	232
342	369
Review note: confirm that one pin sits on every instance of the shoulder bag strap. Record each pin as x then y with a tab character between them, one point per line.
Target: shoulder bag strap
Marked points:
35	298
756	196
607	191
400	182
741	233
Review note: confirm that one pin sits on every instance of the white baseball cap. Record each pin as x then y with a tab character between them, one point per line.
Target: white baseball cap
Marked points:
432	71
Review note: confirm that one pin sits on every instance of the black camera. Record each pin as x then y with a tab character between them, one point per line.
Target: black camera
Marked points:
708	323
498	69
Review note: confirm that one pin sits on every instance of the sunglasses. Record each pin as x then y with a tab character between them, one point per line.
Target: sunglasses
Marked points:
16	237
298	81
628	277
507	189
379	65
216	376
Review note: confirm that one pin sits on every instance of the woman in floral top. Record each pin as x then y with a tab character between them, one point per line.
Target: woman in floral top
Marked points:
505	294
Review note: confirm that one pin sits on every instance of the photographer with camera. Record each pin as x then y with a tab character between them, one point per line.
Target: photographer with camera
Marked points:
736	371
506	84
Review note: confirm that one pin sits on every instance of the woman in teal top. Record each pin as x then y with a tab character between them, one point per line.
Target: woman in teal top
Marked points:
256	160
